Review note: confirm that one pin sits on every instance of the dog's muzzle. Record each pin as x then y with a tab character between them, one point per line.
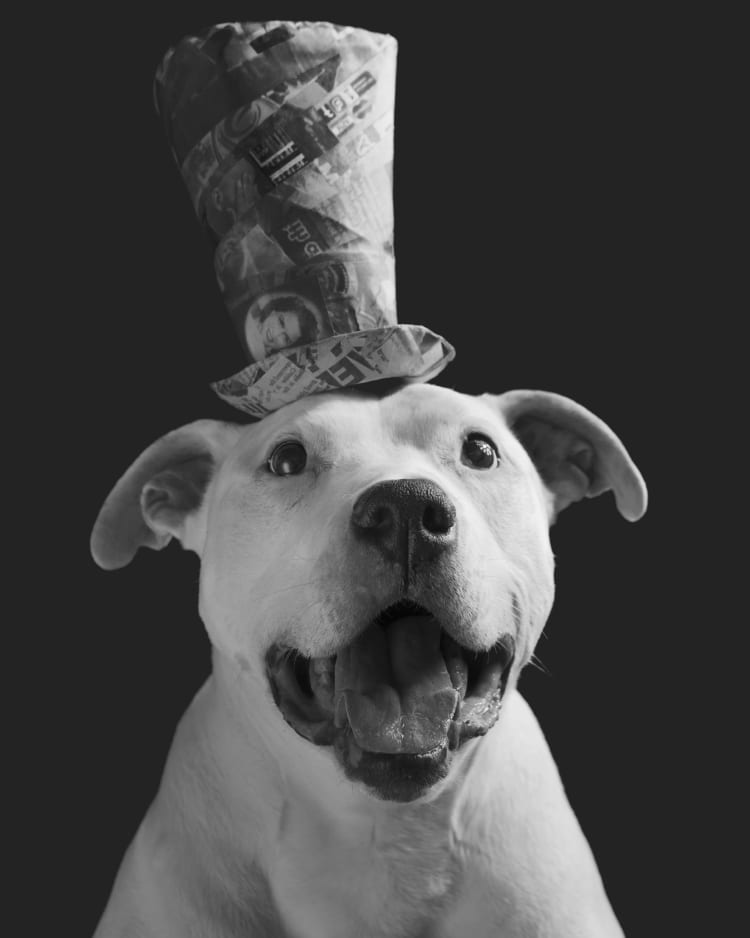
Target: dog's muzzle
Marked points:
396	701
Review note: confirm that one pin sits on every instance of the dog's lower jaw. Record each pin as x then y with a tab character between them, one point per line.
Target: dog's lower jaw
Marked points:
401	778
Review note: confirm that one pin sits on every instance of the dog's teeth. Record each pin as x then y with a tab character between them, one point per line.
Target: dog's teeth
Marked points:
455	664
355	752
339	716
321	681
488	679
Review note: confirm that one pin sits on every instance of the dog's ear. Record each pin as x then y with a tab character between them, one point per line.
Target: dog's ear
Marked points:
155	499
575	453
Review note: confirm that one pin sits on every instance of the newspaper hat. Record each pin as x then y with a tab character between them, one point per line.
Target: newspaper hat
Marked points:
283	132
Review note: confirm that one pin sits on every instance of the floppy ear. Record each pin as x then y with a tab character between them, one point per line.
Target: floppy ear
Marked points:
153	501
575	453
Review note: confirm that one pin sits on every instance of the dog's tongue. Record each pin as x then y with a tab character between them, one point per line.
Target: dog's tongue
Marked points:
393	686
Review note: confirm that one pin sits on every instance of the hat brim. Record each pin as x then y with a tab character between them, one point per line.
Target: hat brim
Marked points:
405	351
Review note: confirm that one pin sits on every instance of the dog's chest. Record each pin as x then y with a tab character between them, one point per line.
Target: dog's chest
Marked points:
385	874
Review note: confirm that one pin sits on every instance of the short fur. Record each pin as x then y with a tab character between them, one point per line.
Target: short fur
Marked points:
255	831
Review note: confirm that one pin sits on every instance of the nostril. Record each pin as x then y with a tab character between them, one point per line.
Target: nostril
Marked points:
372	515
379	517
439	518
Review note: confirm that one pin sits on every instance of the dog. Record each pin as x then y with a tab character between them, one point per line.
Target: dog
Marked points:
375	572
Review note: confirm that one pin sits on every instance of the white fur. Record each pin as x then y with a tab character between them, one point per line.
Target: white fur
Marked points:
255	831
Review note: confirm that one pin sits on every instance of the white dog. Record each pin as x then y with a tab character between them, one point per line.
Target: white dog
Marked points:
375	572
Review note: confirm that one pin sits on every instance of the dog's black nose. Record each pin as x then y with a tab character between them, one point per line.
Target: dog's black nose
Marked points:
408	519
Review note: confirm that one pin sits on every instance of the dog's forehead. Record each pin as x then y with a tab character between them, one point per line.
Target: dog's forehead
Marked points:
415	414
425	409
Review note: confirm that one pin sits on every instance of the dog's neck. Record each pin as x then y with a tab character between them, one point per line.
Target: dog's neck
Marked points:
276	804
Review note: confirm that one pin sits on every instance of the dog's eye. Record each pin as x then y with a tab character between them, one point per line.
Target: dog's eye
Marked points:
287	459
479	452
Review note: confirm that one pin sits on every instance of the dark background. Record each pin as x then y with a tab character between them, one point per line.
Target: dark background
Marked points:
546	189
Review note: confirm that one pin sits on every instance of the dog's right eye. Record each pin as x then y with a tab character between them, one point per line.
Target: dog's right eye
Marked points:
480	452
287	459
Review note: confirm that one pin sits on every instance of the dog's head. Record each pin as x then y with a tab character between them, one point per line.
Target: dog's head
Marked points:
377	566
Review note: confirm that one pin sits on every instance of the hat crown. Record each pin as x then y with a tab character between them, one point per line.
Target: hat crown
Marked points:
283	132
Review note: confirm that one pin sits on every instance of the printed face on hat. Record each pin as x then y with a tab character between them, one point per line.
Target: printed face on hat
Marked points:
282	320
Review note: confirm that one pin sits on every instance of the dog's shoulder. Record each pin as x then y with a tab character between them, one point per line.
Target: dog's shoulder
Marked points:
166	888
185	871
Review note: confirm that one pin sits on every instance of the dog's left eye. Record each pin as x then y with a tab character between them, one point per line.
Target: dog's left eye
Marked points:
479	452
287	459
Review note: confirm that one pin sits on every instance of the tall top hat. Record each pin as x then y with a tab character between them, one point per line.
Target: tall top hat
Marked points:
283	132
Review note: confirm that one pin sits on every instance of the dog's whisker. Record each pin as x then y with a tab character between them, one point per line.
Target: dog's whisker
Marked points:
287	589
312	605
537	663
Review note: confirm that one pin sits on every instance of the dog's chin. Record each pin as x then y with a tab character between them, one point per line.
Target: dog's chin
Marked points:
392	777
396	702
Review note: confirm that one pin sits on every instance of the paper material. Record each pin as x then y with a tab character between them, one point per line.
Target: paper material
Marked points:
411	352
283	132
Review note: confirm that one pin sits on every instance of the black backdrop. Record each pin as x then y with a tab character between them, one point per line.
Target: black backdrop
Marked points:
538	217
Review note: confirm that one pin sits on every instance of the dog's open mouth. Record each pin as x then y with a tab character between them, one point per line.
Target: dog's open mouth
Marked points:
403	693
